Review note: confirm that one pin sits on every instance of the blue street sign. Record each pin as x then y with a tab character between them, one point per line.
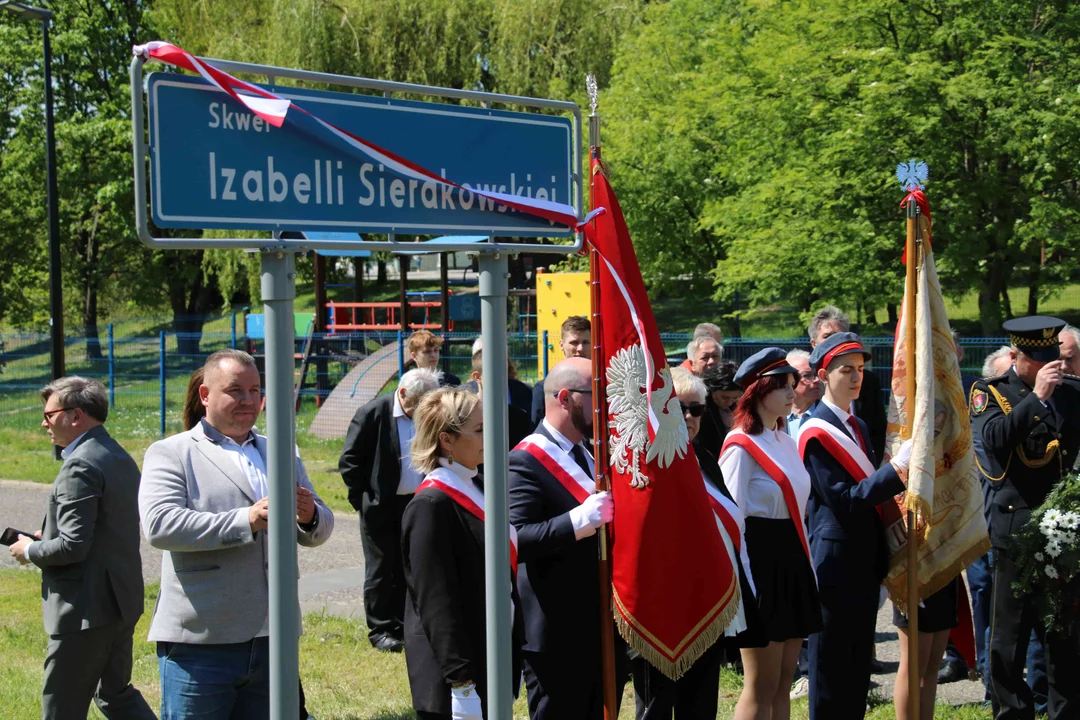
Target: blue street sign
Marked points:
214	164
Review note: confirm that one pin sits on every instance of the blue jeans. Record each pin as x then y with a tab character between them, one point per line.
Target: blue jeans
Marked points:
215	682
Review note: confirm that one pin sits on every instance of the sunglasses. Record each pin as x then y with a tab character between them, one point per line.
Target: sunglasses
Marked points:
695	410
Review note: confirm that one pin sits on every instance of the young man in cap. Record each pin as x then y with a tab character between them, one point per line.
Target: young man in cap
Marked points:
870	403
1028	421
848	543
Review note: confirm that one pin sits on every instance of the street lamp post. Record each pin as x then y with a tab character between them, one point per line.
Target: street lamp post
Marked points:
56	300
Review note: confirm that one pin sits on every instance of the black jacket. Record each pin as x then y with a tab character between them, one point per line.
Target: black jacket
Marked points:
445	632
539	402
713	430
558	578
1026	446
847	538
370	464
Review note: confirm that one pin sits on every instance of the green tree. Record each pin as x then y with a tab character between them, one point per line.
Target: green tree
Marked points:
91	44
757	142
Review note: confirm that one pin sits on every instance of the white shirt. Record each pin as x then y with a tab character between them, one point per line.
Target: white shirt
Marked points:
249	460
563	442
66	452
757	494
406	431
843	416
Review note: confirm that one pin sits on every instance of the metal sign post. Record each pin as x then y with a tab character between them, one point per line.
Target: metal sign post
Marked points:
493	287
278	292
189	190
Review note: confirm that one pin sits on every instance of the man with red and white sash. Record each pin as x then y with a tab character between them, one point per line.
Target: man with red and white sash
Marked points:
557	512
849	507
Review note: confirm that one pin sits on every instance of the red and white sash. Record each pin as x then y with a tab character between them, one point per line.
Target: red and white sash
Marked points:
469	497
725	511
730	523
560	464
761	457
853	459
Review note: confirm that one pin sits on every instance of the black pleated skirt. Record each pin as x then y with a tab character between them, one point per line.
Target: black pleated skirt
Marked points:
937	613
787	595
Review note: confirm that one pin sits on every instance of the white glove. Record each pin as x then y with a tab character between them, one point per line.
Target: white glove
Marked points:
903	456
595	512
465	703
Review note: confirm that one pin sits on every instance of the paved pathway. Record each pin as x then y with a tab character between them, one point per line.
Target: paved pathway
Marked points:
332	578
331	575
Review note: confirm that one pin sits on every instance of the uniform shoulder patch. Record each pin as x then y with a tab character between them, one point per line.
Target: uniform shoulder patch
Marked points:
979	400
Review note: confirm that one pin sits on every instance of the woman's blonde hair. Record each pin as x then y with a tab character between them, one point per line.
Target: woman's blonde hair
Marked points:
443	411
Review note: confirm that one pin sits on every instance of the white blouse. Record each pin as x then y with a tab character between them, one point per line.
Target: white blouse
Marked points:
757	494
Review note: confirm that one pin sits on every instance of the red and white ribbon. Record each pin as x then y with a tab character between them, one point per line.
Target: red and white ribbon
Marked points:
839	444
729	524
739	438
274	109
469	497
560	464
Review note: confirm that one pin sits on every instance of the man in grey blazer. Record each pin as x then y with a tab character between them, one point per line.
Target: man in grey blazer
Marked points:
203	500
88	552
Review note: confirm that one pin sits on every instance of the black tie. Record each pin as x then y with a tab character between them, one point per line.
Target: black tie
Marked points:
578	453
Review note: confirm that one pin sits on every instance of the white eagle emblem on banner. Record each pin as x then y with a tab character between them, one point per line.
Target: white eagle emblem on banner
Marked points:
628	412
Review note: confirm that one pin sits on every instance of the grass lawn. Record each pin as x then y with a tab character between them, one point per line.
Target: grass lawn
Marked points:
344	678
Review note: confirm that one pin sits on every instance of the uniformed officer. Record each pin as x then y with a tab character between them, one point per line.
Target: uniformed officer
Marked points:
1028	421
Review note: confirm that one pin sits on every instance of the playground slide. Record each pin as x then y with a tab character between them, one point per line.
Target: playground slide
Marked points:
356	389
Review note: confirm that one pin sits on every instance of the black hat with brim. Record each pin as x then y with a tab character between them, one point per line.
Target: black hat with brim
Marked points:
1036	336
834	346
770	361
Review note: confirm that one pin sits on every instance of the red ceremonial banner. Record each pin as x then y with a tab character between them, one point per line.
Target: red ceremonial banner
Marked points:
673	585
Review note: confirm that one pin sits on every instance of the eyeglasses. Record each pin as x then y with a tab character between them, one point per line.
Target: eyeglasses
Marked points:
586	391
49	415
809	378
695	410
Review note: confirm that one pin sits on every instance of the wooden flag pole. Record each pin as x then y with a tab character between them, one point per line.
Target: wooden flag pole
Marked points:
912	535
600	456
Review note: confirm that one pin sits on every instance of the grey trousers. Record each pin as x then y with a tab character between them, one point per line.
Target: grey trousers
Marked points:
92	664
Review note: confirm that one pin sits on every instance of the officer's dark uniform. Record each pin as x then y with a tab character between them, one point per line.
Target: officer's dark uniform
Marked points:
1027	445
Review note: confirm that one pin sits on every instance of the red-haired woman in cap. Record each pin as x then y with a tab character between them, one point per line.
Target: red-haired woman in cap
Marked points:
768	481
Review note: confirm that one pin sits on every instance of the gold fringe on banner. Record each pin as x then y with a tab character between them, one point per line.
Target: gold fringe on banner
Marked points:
659	655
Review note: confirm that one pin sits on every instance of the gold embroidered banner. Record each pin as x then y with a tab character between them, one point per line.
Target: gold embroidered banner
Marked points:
943	485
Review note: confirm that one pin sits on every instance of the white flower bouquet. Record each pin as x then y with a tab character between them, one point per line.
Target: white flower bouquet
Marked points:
1048	556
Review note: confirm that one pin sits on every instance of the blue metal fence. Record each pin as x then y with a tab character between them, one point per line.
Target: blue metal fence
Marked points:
147	376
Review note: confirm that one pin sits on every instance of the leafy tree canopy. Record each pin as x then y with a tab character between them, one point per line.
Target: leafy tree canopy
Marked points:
756	142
